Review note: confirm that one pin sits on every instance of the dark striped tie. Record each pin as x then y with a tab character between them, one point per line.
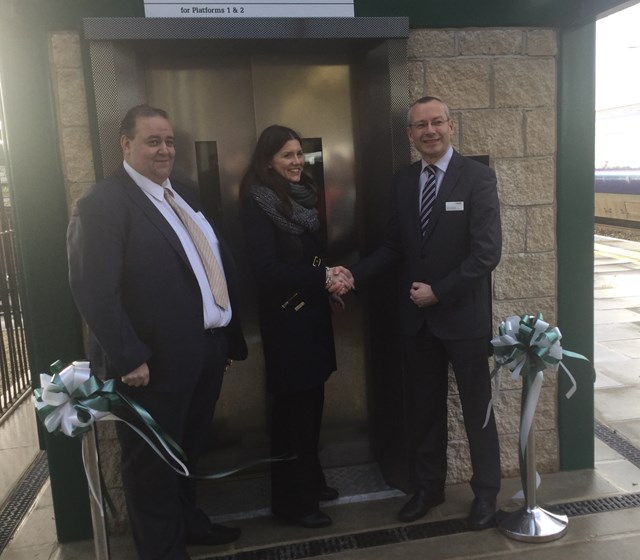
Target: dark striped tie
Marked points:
428	196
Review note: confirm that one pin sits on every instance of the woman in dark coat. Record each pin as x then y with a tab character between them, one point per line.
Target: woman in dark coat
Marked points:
285	246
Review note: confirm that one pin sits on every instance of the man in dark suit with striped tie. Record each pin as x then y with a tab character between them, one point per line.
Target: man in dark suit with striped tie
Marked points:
444	231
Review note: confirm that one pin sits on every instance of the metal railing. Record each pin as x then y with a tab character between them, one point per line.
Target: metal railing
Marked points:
14	366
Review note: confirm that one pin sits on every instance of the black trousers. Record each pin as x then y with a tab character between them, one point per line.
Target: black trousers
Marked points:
295	428
427	359
160	502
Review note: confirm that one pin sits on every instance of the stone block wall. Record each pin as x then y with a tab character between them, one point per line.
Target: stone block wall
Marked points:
69	89
500	85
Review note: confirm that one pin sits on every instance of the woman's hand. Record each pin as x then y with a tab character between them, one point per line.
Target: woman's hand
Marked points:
339	280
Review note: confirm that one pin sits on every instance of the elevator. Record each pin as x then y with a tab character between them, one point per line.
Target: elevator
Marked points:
218	109
342	84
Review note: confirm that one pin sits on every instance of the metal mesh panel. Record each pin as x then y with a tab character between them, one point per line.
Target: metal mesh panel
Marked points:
117	84
398	86
99	29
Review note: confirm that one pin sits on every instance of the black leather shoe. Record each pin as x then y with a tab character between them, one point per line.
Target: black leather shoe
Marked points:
419	505
217	534
482	514
327	494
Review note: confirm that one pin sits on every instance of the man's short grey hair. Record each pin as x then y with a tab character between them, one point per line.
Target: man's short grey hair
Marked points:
427	99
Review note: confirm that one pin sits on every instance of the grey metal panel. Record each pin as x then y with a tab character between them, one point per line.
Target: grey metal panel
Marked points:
383	99
123	28
399	97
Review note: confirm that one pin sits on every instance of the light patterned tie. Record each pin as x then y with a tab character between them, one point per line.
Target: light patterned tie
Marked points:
428	197
212	267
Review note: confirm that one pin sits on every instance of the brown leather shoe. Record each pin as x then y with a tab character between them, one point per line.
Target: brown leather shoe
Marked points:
419	505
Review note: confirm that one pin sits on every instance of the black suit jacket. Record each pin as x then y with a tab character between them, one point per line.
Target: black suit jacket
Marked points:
461	247
133	284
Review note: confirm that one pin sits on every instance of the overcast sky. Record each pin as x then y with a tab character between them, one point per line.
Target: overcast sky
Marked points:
618	59
618	89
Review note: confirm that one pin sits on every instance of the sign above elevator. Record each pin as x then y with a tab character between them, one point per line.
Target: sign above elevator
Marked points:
251	8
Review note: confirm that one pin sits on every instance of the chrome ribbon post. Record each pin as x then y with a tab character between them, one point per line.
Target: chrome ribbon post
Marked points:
527	346
91	461
532	523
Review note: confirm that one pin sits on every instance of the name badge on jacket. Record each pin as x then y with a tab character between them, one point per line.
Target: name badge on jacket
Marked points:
455	206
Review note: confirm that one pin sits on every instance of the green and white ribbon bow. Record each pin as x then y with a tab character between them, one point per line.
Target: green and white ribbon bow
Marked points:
527	345
71	400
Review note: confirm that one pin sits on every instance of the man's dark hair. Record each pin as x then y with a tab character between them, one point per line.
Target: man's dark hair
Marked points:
128	124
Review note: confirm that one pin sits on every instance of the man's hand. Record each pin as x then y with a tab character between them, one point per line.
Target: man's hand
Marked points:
422	295
341	280
139	377
336	303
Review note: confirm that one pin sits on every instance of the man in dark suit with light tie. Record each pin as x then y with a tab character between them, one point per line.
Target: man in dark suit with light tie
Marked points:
445	232
160	300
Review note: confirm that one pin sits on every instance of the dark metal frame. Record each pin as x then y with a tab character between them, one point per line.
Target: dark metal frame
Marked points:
14	367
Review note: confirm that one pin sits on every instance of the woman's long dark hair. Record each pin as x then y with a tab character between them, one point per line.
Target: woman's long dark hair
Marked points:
260	173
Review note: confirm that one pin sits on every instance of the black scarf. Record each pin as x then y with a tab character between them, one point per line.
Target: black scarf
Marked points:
303	216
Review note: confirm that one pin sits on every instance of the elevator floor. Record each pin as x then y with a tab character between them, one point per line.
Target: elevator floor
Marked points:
247	496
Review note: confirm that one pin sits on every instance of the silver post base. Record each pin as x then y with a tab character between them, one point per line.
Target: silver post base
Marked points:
533	525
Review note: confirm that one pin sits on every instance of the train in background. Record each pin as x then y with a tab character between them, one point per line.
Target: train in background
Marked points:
617	193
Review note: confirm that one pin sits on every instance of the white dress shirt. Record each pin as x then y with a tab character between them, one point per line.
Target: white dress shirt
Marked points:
441	168
214	316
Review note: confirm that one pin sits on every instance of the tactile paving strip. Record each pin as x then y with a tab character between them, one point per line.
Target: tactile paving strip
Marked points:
19	501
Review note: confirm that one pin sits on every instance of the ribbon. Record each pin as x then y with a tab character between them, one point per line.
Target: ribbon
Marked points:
527	345
72	400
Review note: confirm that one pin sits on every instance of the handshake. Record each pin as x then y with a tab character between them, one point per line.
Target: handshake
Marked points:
339	280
